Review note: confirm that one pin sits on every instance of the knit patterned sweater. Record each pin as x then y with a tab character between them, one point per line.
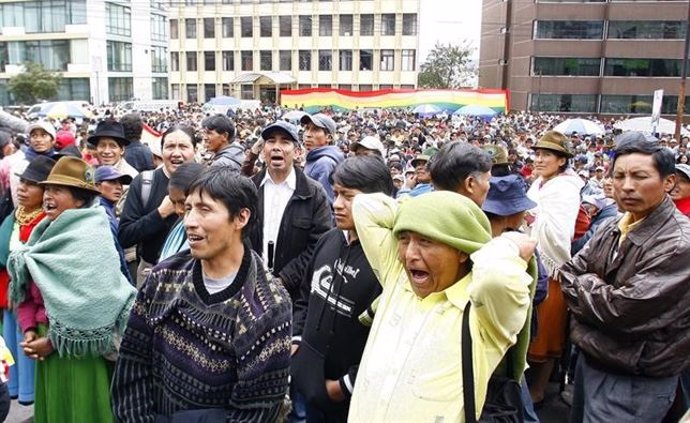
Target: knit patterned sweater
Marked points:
186	349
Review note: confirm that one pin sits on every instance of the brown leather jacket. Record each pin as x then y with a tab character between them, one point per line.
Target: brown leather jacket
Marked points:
631	304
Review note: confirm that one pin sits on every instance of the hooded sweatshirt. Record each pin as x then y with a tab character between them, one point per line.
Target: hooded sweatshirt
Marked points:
326	325
319	166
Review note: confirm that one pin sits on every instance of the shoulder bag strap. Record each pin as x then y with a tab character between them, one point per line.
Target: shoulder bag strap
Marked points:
467	370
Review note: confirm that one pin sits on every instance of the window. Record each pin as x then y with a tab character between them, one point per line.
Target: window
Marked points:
285	23
74	89
228	60
285	60
265	60
305	26
209	60
566	66
246	27
227	25
388	24
643	67
366	25
247	60
120	89
408	60
304	60
191	61
119	56
190	28
325	25
159	88
118	20
192	94
174	30
209	28
158	27
345	60
366	59
346	25
387	60
175	61
625	104
409	24
209	91
582	103
43	16
576	30
54	55
247	92
325	60
159	59
175	90
266	26
647	30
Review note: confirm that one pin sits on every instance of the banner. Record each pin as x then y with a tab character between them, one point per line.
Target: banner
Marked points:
656	109
311	100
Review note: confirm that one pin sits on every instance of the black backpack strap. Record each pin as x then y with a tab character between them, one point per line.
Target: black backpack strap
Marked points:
467	370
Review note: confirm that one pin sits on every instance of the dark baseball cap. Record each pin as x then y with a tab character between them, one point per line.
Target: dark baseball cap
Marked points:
320	120
281	125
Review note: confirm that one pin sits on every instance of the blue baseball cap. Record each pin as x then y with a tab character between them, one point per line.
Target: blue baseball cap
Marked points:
507	196
281	125
109	173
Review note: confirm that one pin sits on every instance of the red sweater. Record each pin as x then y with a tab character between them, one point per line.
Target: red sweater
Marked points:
683	205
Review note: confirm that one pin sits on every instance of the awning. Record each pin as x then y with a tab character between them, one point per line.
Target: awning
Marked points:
264	78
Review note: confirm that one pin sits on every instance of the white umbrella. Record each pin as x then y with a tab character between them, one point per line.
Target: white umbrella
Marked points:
581	126
644	124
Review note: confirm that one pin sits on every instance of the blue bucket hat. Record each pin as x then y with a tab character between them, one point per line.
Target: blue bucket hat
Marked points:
507	196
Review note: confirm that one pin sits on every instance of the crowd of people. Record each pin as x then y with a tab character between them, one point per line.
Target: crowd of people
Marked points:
362	266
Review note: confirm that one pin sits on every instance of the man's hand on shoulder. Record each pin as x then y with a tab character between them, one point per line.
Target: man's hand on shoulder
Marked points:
525	244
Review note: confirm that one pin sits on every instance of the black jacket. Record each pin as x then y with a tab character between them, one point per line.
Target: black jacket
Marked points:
139	156
306	217
326	324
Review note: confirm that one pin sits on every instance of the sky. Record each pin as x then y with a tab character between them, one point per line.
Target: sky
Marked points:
449	21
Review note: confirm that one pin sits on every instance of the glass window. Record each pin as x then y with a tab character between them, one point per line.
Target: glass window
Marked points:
174	32
366	87
265	60
118	20
175	90
366	25
43	16
409	24
387	60
77	15
285	23
305	26
228	60
74	89
388	24
285	60
325	25
191	61
192	94
366	60
566	66
175	61
575	1
119	56
408	60
579	30
54	55
643	67
210	60
647	30
266	26
582	103
325	60
304	60
247	92
246	29
346	25
247	60
158	28
120	89
159	57
625	104
345	60
159	88
228	31
209	28
209	91
190	28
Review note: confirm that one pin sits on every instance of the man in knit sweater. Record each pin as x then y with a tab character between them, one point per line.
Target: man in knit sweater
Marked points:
209	335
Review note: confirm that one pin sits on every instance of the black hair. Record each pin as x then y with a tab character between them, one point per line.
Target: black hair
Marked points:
184	128
86	196
503	169
368	174
455	162
185	174
221	124
132	126
664	159
234	191
395	165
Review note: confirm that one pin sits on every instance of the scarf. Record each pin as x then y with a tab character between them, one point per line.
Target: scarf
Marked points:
74	263
27	221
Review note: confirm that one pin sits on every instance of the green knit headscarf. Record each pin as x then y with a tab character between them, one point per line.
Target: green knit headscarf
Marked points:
446	217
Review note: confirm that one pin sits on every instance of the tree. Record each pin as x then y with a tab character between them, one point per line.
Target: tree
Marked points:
34	84
448	66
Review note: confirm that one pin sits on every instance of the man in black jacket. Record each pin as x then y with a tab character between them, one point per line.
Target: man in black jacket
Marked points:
328	338
293	210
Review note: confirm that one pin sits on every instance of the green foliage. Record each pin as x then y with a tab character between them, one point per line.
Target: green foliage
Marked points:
34	84
447	66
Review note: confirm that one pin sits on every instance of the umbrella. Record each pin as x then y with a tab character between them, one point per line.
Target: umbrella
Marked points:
61	110
427	110
581	126
223	100
293	115
473	110
644	124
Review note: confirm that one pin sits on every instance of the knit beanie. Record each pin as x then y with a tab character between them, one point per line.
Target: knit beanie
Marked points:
446	217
